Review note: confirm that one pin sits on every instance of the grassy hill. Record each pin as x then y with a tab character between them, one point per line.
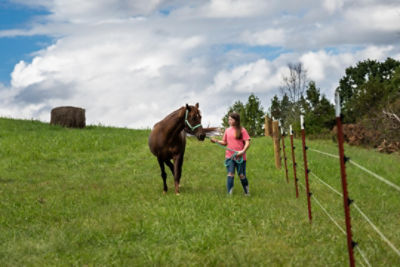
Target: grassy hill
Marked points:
94	197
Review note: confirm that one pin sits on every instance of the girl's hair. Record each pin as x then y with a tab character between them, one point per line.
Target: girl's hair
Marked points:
237	126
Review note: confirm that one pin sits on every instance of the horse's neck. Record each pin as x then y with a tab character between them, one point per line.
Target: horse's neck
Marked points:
175	123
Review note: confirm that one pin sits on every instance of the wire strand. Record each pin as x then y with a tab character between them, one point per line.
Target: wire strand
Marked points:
384	238
338	226
386	181
324	153
363	256
376	176
377	230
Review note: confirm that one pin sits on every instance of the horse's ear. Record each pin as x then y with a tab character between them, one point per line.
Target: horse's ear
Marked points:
197	105
187	107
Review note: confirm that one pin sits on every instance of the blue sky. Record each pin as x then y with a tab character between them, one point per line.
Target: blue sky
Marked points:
19	48
129	63
14	15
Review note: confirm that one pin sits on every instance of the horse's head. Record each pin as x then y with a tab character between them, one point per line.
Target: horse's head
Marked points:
193	122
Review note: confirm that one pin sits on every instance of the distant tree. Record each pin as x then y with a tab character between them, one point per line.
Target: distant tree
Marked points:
285	106
254	116
294	86
275	109
319	112
313	94
393	85
251	115
238	107
366	86
280	110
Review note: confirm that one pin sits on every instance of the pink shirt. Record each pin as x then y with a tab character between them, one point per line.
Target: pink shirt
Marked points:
233	143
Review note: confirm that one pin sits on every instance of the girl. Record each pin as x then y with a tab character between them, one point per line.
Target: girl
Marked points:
237	140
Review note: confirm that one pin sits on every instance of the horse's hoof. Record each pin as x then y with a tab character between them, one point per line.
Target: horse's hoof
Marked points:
178	194
164	192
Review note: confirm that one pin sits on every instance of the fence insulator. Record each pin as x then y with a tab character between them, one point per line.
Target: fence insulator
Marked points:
306	170
294	163
342	159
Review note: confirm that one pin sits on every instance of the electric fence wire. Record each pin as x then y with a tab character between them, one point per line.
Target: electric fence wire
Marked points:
384	238
382	179
337	225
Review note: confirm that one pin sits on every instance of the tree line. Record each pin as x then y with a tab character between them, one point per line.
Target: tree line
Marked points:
369	91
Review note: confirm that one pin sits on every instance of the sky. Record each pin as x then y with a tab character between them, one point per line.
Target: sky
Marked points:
130	63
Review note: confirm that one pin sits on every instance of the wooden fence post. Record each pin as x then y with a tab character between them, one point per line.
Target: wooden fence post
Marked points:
268	126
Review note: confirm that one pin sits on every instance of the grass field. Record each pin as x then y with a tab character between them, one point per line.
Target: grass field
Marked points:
94	197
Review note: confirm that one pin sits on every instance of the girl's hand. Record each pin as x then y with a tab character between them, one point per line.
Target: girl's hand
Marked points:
213	140
240	153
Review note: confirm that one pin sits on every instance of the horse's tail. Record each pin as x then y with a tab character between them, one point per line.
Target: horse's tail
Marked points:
212	131
151	143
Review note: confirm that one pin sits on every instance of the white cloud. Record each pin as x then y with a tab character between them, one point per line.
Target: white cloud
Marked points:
77	11
129	64
379	53
235	8
333	5
326	68
376	17
117	78
258	76
321	63
272	37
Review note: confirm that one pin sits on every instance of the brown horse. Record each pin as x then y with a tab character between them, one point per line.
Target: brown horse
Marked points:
167	140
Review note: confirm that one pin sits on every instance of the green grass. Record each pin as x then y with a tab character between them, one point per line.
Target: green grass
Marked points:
94	197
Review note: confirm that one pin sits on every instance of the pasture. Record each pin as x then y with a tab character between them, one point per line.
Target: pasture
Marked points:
94	197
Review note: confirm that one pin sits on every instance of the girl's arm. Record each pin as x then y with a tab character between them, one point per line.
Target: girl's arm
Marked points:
221	142
246	146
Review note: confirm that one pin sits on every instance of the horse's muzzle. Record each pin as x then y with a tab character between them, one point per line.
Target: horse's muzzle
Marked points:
201	136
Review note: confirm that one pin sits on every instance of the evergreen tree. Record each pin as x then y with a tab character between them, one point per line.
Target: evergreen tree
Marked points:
238	107
286	106
280	110
254	116
320	113
275	109
251	115
312	94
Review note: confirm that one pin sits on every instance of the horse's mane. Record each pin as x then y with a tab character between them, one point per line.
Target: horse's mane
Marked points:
208	130
173	114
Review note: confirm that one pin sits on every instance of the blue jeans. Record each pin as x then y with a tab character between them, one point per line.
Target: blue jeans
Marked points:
231	165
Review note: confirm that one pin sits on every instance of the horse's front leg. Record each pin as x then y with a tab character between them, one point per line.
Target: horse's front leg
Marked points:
178	161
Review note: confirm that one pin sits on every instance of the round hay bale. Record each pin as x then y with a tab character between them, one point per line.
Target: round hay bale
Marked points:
72	117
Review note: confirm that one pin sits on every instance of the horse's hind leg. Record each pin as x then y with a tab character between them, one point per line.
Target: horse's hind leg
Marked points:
178	161
171	167
163	174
